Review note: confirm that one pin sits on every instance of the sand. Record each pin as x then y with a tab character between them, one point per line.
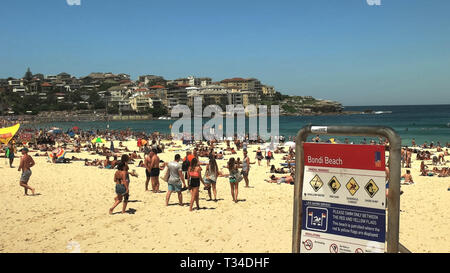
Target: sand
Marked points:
70	213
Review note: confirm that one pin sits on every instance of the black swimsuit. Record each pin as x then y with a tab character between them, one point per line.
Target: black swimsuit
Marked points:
259	155
195	182
154	172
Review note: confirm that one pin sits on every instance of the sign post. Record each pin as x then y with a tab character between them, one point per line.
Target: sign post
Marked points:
339	200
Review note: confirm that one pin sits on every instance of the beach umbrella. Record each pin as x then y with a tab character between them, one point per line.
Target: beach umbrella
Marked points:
98	140
76	128
60	153
290	144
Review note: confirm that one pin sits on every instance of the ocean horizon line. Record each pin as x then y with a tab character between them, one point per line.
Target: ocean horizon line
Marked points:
443	104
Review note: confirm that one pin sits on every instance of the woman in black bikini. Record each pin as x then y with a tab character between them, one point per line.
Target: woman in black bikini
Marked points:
194	176
259	156
122	190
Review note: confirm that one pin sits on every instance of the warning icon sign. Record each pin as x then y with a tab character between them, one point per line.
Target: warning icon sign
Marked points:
334	184
352	186
371	188
316	183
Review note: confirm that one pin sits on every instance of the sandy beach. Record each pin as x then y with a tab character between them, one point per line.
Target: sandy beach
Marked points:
70	212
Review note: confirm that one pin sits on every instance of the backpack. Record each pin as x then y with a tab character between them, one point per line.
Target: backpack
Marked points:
185	165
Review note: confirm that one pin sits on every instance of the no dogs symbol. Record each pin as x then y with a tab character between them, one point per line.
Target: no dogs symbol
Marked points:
308	244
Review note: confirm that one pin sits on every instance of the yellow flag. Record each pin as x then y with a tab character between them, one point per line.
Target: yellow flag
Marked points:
8	132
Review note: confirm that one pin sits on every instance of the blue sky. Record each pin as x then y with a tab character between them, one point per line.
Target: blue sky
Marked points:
396	53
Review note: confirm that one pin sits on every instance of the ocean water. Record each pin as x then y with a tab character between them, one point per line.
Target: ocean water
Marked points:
421	122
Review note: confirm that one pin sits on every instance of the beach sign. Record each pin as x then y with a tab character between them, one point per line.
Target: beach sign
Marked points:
7	133
343	199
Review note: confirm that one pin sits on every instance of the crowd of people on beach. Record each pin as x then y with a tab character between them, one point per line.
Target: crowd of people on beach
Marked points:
197	168
187	173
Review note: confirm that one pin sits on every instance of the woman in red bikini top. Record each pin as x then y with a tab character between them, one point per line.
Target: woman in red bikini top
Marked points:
195	176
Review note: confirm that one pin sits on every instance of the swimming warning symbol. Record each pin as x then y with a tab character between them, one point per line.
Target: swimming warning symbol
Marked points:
316	183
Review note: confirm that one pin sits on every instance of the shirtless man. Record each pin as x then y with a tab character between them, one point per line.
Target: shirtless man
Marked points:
154	171
26	162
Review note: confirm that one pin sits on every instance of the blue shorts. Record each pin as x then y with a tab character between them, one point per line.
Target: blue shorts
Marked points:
174	187
209	181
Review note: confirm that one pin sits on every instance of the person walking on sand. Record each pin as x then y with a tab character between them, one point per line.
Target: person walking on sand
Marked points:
269	156
194	176
11	153
211	175
124	159
259	156
26	162
175	179
122	189
233	178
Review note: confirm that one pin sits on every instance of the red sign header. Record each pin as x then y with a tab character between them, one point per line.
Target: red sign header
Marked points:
349	156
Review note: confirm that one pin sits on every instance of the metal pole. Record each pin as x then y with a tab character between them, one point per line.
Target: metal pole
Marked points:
298	187
394	176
